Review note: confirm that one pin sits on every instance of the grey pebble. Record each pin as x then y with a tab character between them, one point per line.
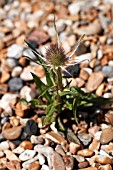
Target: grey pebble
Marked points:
15	84
108	71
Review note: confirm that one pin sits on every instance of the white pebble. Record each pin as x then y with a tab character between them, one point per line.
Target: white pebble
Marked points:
45	167
15	51
97	135
18	150
27	154
41	159
4	145
16	71
1	154
26	164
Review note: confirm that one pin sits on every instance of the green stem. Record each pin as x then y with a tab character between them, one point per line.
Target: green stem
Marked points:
59	76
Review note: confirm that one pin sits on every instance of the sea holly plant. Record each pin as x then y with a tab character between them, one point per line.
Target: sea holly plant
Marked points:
58	97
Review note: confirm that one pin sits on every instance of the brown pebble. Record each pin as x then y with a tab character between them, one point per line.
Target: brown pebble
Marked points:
69	162
34	166
109	118
89	168
3	162
105	167
13	165
85	152
4	77
106	136
12	133
22	61
94	145
83	164
102	159
21	109
11	156
26	145
14	121
83	74
94	81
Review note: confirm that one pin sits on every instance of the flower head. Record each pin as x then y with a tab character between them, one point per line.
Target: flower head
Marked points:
55	54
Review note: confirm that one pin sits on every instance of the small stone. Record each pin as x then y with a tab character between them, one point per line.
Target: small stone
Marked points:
14	121
94	145
105	167
106	136
102	159
26	145
97	135
4	77
39	36
84	75
11	156
89	168
22	109
85	152
1	154
92	130
31	128
11	62
4	145
109	149
13	165
54	137
37	139
16	71
69	162
94	81
75	7
100	90
108	71
18	150
34	166
56	158
22	61
15	51
85	138
15	84
73	148
27	154
41	159
12	133
60	150
26	73
45	167
3	162
26	164
83	164
79	158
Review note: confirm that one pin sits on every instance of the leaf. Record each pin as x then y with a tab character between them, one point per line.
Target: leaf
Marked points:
36	103
46	90
75	105
41	86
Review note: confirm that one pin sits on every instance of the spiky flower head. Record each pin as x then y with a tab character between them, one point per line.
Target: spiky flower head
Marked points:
55	55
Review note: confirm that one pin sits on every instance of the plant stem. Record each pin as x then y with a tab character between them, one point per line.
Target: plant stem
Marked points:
59	77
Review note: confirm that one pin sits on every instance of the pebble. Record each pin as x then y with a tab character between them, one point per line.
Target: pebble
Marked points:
108	71
69	162
15	51
18	150
37	139
94	81
106	136
11	62
95	145
75	7
12	133
15	84
56	158
4	77
4	145
73	148
41	159
83	164
60	150
85	152
85	138
26	164
13	164
26	145
11	156
102	159
16	71
3	162
27	154
54	137
45	167
1	154
106	167
34	166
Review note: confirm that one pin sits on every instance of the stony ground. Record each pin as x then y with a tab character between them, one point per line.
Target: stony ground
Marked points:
24	144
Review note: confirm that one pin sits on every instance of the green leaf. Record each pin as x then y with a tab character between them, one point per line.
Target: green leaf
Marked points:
36	103
75	106
41	86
